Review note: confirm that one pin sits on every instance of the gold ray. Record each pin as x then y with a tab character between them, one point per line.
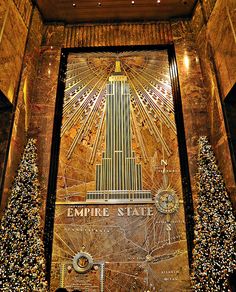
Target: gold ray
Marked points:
167	87
74	98
79	74
90	81
153	78
163	116
65	244
73	118
151	124
88	121
77	137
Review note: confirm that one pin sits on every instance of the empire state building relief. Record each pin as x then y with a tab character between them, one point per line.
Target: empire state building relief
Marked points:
118	177
119	219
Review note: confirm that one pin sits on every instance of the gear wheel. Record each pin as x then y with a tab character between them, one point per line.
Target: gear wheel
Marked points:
82	262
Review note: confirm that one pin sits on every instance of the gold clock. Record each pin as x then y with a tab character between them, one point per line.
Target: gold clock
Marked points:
167	201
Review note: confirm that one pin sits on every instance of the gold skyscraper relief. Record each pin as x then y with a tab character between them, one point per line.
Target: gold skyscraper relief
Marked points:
118	177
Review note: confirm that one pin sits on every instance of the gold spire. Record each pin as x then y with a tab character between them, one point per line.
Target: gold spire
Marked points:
117	68
118	75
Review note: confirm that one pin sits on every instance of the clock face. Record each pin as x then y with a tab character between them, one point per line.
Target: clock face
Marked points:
166	201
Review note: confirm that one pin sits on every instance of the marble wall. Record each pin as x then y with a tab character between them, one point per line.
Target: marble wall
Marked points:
13	34
25	8
14	22
42	111
193	94
5	120
22	114
205	51
214	33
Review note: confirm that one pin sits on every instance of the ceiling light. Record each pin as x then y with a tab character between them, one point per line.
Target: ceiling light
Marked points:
99	4
73	4
158	1
132	2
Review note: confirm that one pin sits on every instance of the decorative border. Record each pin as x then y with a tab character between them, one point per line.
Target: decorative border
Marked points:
125	34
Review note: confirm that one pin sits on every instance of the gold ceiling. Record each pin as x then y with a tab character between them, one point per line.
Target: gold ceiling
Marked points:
80	11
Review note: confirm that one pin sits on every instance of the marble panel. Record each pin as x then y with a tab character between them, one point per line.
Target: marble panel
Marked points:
25	8
4	10
193	94
208	6
197	20
31	59
53	35
24	101
5	120
213	55
12	46
221	36
42	111
118	241
18	140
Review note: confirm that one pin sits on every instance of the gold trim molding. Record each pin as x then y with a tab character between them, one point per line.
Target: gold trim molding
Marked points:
117	34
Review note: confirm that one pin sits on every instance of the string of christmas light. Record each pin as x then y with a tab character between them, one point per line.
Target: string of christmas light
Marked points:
22	263
215	227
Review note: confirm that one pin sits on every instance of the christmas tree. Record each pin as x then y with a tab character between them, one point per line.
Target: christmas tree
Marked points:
215	227
22	263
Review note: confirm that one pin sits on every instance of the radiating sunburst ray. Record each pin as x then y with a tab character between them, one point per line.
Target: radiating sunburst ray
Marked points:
146	96
145	80
84	99
152	126
87	101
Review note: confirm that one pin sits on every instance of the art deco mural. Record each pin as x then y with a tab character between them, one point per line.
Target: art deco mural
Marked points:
119	223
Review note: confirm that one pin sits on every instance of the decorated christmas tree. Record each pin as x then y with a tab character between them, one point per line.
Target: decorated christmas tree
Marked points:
22	264
215	227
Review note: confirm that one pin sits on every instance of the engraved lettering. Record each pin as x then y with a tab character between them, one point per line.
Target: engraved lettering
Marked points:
120	212
135	212
128	211
98	212
70	212
79	212
106	212
143	209
149	211
164	162
86	212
